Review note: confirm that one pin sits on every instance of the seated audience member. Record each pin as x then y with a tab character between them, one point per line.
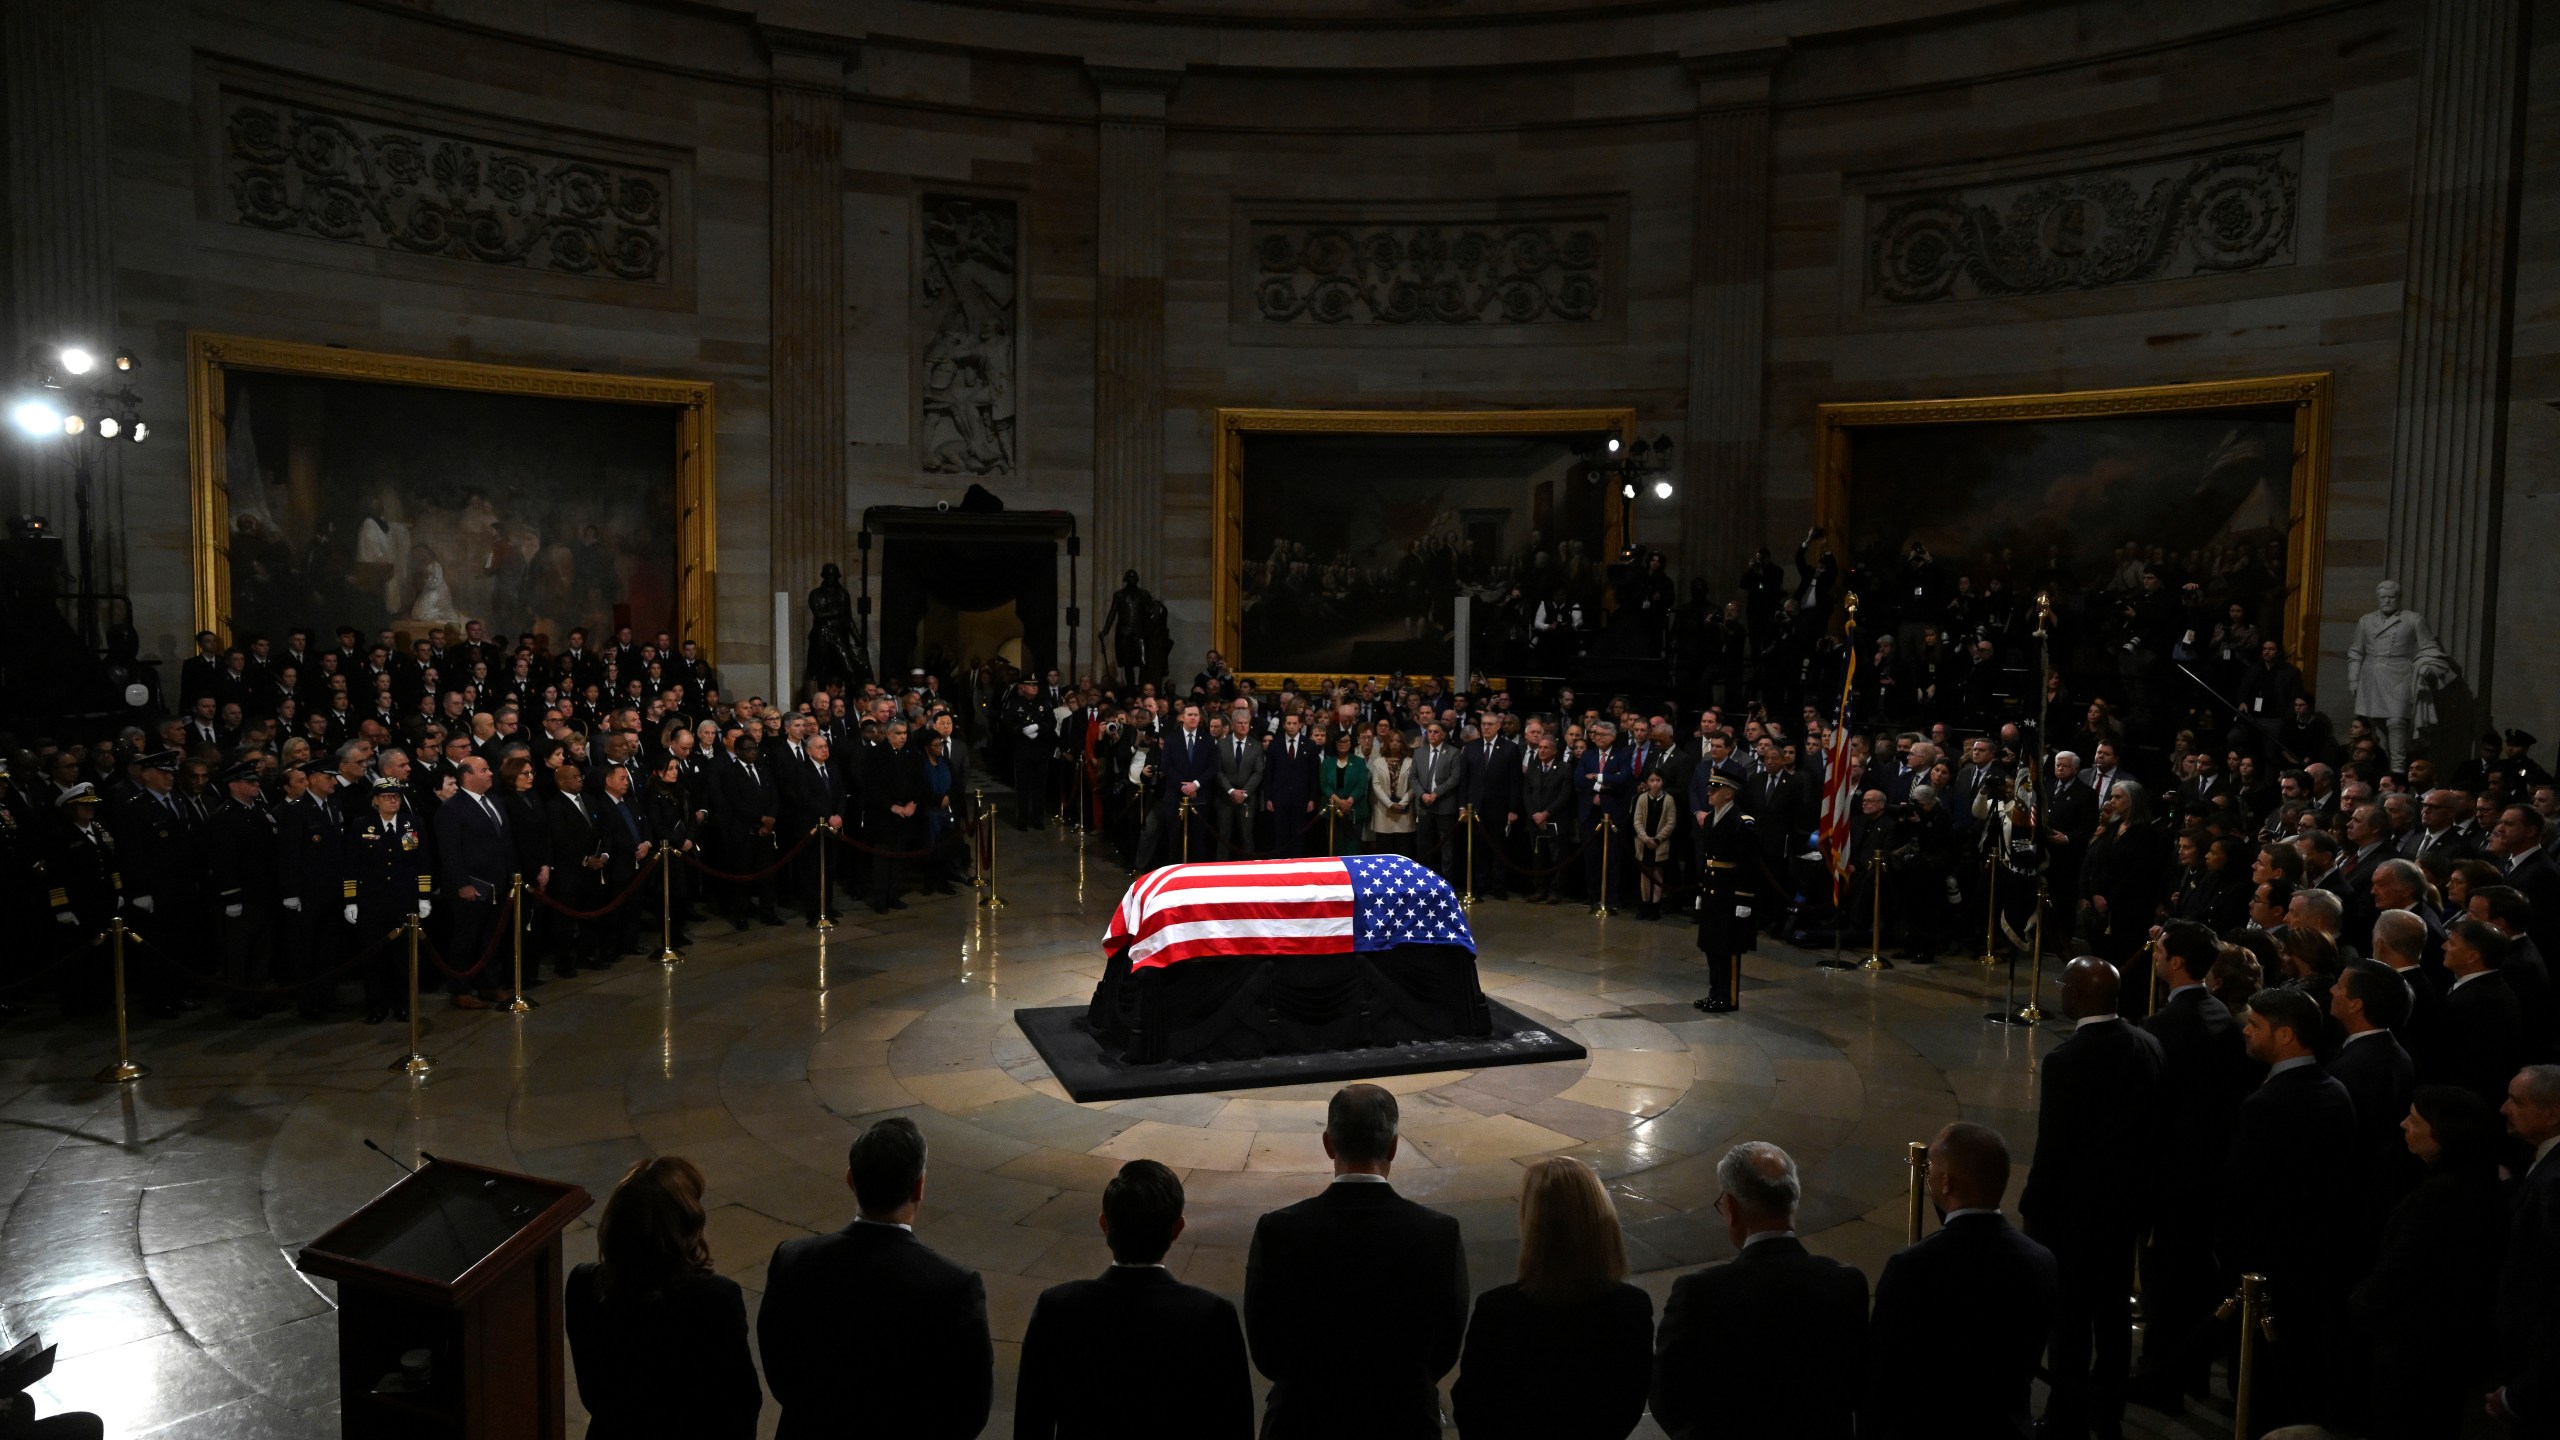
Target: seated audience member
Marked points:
1134	1353
867	1332
2528	1314
659	1342
2427	1306
1962	1317
1561	1353
1354	1300
1768	1342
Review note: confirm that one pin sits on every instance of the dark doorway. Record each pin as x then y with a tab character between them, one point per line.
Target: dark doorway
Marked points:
959	587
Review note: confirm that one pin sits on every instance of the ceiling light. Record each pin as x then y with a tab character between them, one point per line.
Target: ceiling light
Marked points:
1661	489
73	424
36	417
78	361
107	427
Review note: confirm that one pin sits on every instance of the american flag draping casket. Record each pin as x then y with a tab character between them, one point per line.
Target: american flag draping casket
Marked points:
1235	960
1327	906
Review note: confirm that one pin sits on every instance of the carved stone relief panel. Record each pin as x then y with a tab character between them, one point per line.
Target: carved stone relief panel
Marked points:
1493	271
968	322
2229	210
330	171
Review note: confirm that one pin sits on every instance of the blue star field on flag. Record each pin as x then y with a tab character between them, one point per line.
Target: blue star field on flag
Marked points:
1398	901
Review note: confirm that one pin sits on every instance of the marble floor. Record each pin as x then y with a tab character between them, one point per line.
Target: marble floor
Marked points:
149	1228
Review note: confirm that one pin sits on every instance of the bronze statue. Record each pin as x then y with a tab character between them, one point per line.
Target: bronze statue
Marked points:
836	653
1126	626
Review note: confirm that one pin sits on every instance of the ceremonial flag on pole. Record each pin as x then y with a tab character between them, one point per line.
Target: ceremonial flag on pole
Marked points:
1285	907
1839	796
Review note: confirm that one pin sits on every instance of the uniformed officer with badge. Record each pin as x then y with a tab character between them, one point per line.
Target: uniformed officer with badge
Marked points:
312	875
1729	866
240	853
388	880
87	889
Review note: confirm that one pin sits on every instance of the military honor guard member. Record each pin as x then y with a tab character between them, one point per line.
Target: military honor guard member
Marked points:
1728	863
388	880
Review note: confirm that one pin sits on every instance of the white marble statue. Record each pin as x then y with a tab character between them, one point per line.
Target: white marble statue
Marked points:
2393	665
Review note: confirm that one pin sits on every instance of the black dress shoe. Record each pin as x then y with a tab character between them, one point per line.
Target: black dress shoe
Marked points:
1714	1007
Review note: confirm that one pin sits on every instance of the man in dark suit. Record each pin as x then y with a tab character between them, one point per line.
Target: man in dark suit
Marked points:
1189	771
1603	788
1354	1301
746	815
2369	1003
2205	1073
474	856
1756	1346
2369	845
1289	786
1236	799
2479	1041
311	842
2401	947
1135	1354
865	1331
1965	1314
2515	847
2528	1316
2504	909
2070	817
2088	1195
894	792
1439	790
2293	1154
1493	798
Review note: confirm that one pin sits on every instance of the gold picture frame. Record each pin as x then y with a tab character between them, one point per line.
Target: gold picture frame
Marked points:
1226	524
210	355
2309	396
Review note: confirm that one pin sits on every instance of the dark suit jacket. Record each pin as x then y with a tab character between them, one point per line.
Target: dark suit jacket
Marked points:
1541	1371
1493	788
668	1364
2097	1133
1354	1302
1964	1317
1132	1355
2379	1077
2529	1298
2293	1153
1767	1344
471	849
1180	762
2206	1074
1289	785
2539	878
867	1332
2431	1295
2479	1042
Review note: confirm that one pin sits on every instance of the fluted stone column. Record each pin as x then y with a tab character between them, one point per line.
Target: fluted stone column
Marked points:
1128	326
60	269
2448	443
1722	516
808	455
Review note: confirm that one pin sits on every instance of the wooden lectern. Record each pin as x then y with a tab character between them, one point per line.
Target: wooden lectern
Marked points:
449	1296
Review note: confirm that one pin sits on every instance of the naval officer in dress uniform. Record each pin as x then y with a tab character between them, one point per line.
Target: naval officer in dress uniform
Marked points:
1728	865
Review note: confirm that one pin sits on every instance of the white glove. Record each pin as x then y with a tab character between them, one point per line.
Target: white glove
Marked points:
142	903
426	907
351	914
65	917
293	903
1741	912
1030	732
230	912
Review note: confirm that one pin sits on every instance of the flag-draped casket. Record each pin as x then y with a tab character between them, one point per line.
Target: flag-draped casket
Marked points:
1241	959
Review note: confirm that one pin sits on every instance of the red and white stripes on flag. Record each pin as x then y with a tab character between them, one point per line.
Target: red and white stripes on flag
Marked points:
1839	792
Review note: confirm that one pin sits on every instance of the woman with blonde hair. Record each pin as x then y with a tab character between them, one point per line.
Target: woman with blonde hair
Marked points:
1391	801
658	1341
1566	1351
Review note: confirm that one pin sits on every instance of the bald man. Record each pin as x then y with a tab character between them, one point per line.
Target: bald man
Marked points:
2098	1139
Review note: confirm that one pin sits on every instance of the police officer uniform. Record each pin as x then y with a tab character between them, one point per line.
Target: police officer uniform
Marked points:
240	851
1729	866
310	879
388	879
86	886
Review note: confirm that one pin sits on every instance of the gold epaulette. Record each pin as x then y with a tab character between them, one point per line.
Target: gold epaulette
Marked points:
426	884
351	890
61	901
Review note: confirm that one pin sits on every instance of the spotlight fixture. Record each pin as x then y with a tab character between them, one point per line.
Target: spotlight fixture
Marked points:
124	361
36	417
141	432
1613	444
1661	489
73	424
77	361
1628	490
107	427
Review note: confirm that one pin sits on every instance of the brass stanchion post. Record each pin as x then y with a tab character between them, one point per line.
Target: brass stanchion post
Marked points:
991	900
1330	848
1916	1154
516	923
415	1063
2250	1305
1991	908
1875	945
668	954
1600	902
825	898
1186	829
1467	817
2030	1013
124	1070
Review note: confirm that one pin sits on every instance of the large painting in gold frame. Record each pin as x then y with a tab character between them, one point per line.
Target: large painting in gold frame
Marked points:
2305	398
211	358
1235	424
